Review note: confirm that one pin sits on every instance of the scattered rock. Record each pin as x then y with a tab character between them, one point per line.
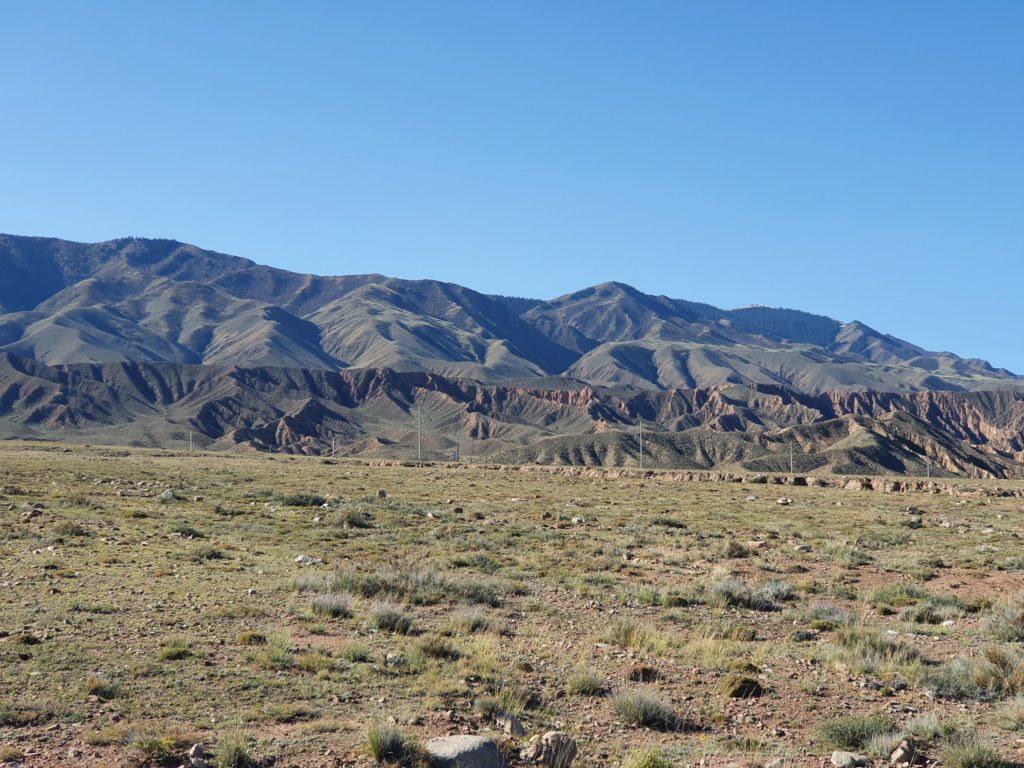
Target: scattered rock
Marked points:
803	636
783	502
197	756
307	560
905	754
167	495
848	760
198	498
510	725
579	521
382	494
554	748
802	548
464	752
776	763
751	498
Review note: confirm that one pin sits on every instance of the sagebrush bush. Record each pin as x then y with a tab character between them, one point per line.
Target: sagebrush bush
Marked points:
649	758
391	618
965	750
468	621
1000	672
1011	714
436	647
584	683
1006	623
826	617
734	592
642	709
332	606
627	633
855	731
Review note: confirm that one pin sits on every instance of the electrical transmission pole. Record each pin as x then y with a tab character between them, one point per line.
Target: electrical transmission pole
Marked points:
791	458
419	434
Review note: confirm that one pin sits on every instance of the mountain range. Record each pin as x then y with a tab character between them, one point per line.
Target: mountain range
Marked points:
137	340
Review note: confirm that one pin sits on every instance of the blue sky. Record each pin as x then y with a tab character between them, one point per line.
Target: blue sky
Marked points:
863	160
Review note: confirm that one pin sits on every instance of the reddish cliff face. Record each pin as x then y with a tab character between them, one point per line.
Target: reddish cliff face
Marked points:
374	411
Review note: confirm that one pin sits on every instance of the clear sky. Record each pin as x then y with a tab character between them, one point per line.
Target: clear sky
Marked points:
863	160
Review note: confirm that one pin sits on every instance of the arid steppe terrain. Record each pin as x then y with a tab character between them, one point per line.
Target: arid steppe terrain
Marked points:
278	609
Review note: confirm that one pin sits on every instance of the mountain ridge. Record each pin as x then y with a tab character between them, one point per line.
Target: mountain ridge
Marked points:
143	342
152	300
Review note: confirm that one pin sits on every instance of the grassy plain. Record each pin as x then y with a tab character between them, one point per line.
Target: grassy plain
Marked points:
670	623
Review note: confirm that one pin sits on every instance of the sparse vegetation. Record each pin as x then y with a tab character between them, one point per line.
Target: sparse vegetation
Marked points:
648	758
391	618
332	606
632	617
643	709
854	732
388	746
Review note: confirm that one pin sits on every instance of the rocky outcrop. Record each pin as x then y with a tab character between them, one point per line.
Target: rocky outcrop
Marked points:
373	413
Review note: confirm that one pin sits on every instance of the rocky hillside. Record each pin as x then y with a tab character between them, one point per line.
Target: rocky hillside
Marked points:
377	412
161	301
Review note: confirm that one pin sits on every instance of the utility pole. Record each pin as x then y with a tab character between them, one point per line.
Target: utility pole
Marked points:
333	438
928	467
190	441
791	458
419	434
641	443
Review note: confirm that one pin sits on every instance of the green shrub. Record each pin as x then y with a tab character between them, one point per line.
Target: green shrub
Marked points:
854	732
738	686
649	758
1006	623
233	751
356	653
332	606
302	500
176	649
391	618
627	633
1000	672
435	647
277	653
468	621
736	593
966	751
826	617
102	687
641	709
1011	714
585	684
387	745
